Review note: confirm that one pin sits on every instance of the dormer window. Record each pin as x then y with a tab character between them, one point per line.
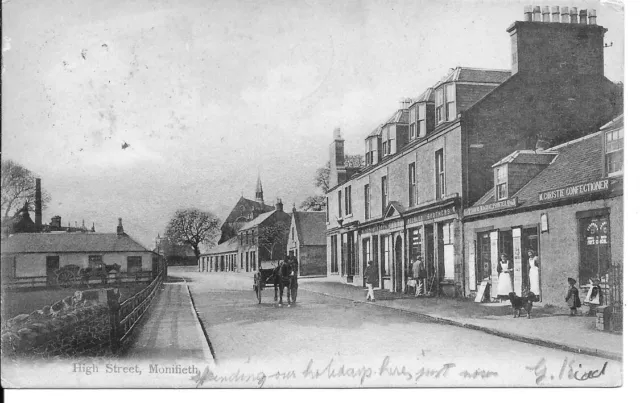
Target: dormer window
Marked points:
446	103
386	141
501	183
417	125
614	152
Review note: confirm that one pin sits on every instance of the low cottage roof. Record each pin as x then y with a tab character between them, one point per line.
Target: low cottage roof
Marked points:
528	157
230	245
70	242
311	226
476	75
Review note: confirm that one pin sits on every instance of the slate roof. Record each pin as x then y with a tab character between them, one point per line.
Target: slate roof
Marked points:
426	96
230	245
237	210
470	74
258	220
528	157
578	161
70	242
399	116
311	227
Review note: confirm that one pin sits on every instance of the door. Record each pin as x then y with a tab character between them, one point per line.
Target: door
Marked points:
398	267
484	257
594	248
429	258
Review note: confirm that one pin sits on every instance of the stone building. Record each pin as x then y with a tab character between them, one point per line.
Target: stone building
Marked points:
564	202
408	199
308	243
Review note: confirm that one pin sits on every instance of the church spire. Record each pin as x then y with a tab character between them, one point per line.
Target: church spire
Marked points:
259	193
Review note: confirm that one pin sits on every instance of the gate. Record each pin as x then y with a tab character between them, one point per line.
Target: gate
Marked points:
613	295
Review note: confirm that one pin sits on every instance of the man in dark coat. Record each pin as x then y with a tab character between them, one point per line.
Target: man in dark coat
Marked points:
371	279
418	275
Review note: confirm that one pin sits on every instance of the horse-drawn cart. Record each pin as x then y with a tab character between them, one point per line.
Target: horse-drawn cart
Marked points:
269	278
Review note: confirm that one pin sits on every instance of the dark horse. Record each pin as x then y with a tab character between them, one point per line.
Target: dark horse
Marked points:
284	276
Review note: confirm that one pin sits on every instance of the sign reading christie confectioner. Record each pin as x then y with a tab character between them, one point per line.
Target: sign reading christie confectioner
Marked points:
574	190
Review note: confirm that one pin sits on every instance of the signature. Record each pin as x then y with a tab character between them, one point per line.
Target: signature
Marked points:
569	369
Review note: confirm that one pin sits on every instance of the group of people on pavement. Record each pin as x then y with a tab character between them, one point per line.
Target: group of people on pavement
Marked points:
505	281
418	278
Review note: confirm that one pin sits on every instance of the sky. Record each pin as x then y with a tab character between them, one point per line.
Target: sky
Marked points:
210	94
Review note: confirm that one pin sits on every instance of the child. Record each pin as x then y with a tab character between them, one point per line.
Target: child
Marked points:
573	297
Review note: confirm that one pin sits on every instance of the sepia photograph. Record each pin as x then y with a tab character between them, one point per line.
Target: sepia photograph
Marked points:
280	194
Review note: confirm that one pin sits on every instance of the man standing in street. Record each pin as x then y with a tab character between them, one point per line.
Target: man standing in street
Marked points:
418	270
371	279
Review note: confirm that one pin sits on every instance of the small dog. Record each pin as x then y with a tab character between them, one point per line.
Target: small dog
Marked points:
519	303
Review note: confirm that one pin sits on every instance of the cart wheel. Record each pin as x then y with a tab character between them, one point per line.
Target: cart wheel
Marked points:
65	279
258	293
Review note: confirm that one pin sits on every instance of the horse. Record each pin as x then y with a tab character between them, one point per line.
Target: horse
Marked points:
283	277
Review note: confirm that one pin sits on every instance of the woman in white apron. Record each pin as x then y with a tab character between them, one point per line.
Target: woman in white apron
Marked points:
505	285
534	273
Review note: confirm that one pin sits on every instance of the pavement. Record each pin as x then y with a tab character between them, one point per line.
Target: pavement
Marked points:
549	326
172	329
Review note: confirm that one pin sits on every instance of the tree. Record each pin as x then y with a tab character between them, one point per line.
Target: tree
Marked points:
321	180
193	227
19	186
273	236
314	203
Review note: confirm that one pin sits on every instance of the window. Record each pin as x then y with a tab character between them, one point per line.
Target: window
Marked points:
385	193
334	254
451	101
386	255
327	201
412	122
241	261
440	178
347	201
367	202
370	150
501	183
448	249
53	263
386	141
339	203
421	126
415	244
95	260
366	251
253	237
614	151
446	103
413	193
134	263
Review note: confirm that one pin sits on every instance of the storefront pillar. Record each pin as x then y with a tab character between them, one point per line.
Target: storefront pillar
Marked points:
494	263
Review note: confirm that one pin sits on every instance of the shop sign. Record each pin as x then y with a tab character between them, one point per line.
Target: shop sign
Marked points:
382	227
485	208
432	215
574	191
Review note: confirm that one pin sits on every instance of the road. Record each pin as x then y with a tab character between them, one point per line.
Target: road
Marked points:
326	341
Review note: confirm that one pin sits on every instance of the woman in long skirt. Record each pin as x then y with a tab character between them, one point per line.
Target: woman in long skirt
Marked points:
505	284
534	273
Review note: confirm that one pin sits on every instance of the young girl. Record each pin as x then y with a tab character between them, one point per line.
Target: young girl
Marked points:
573	297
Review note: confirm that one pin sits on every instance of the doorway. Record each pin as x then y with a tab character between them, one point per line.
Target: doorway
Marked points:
530	240
398	269
484	257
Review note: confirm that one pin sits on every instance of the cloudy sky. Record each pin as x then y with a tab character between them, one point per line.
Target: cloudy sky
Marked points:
209	94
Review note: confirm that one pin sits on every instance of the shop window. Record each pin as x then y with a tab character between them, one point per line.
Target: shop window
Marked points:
595	255
614	152
415	244
334	254
501	183
447	241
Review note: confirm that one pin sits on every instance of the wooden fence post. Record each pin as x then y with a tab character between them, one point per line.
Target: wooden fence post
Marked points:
113	301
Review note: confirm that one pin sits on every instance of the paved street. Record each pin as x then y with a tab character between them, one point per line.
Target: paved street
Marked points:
321	333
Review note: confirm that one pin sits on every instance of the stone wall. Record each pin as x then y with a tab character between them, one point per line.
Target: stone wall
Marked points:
78	325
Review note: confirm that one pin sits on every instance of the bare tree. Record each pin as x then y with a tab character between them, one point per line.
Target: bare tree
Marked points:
272	237
321	180
193	227
18	187
314	203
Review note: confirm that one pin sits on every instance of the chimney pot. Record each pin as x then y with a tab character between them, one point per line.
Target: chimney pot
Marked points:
536	13
555	14
583	16
565	15
545	14
120	228
573	13
528	13
592	17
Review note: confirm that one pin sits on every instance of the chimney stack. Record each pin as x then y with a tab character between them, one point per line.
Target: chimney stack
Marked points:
592	17
279	205
542	144
566	18
56	222
545	14
573	13
120	228
528	14
583	16
555	14
38	206
337	170
536	13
